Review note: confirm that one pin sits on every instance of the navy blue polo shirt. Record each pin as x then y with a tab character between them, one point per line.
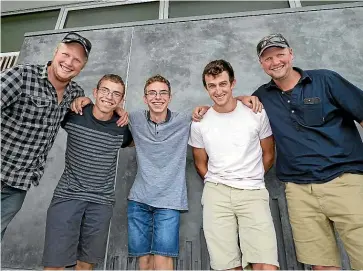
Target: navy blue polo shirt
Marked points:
316	138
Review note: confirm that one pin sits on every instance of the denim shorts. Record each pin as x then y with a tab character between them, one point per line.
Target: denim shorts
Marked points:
152	230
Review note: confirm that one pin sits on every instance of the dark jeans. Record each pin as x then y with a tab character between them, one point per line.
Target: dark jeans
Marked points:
11	201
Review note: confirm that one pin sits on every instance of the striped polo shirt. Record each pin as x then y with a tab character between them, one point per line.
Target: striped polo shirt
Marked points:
91	157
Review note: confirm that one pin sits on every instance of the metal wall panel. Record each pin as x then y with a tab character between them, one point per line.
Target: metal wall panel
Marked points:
327	38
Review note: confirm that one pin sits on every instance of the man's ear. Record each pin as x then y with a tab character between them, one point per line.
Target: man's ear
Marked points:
170	96
233	83
145	99
95	93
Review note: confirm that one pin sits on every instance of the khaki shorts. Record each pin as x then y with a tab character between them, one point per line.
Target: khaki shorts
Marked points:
315	208
231	213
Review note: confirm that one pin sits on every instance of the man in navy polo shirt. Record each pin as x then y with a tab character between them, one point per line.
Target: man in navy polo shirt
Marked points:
319	153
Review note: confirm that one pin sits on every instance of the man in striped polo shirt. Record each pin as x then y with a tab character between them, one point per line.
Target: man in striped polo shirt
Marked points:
79	214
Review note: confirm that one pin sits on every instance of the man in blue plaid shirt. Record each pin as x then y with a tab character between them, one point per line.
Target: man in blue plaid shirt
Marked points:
34	101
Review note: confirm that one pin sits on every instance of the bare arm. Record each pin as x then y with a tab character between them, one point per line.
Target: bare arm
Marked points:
200	161
268	152
361	123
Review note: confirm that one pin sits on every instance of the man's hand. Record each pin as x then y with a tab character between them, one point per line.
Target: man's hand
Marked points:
252	102
124	116
79	103
198	112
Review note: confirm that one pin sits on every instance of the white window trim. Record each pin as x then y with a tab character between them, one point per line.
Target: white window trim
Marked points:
295	3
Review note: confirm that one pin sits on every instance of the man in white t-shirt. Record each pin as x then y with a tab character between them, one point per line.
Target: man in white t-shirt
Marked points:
233	148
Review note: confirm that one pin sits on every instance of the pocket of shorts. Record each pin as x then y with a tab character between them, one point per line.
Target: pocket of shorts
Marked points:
313	114
201	200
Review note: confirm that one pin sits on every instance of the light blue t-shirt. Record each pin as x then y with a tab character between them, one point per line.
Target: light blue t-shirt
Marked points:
161	150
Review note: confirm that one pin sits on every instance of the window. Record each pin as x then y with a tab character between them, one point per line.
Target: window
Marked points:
113	14
13	27
306	3
197	8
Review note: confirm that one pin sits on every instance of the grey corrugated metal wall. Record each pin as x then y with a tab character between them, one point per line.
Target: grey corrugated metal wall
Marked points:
327	37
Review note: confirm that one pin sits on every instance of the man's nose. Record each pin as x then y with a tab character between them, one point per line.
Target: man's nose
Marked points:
275	61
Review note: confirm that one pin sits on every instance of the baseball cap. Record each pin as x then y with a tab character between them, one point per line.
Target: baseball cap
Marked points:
272	40
74	37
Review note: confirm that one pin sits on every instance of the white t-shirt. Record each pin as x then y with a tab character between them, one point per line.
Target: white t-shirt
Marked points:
232	142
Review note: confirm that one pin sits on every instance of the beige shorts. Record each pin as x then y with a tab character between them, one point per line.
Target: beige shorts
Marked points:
315	208
231	213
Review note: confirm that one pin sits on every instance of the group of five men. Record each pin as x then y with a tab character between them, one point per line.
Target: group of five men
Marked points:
319	158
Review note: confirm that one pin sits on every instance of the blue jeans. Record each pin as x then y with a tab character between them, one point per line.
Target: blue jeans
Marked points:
11	201
152	230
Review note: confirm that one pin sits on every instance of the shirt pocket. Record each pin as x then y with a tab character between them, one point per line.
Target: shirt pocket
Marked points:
37	110
313	114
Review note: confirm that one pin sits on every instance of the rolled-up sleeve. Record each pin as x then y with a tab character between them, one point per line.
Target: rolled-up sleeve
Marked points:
11	86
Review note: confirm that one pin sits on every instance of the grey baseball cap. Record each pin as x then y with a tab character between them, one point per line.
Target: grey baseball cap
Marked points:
272	40
74	37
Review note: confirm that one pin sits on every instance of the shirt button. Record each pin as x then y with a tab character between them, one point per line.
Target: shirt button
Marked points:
282	93
292	111
288	101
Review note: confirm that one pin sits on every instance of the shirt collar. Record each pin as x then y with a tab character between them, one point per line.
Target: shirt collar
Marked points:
304	78
168	116
43	72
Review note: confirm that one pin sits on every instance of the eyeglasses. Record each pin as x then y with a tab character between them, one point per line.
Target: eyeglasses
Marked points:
154	93
114	94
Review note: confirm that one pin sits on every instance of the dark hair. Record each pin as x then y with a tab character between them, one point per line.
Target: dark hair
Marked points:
113	78
216	67
157	78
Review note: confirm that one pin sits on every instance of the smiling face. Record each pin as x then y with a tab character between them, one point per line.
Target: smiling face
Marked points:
219	88
157	97
277	62
68	61
108	96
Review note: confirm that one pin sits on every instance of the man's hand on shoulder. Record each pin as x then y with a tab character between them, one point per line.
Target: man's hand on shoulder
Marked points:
252	102
198	112
124	117
79	103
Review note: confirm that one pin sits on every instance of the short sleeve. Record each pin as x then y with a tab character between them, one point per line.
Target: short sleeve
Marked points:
186	115
132	118
127	137
67	118
346	95
195	137
265	128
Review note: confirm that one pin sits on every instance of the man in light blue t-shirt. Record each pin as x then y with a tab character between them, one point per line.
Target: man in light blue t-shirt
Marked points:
159	192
